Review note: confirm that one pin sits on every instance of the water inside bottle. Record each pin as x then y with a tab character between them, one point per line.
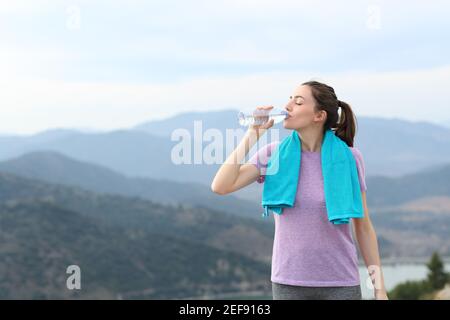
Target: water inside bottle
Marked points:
255	118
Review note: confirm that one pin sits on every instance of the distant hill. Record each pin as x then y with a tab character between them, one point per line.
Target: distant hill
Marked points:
40	240
41	137
393	191
423	197
394	147
435	204
134	248
414	229
221	120
56	168
249	237
390	147
390	191
140	226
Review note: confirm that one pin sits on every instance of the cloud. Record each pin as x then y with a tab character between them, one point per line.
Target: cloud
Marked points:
37	104
23	6
147	38
131	61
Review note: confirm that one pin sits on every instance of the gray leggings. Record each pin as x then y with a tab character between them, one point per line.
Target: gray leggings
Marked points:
288	292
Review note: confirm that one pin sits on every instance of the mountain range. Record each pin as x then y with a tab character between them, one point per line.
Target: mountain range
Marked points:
390	147
125	246
411	204
140	226
57	168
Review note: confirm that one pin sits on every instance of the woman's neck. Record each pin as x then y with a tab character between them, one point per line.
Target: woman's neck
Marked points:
311	139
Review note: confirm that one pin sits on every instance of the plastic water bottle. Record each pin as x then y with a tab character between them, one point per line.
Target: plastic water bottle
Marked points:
259	117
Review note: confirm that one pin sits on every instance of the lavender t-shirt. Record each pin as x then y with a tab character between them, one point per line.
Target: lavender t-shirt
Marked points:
308	250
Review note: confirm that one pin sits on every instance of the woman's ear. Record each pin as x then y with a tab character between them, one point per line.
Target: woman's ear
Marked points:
322	115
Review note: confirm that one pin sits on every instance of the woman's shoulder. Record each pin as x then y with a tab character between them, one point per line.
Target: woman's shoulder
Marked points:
360	166
356	152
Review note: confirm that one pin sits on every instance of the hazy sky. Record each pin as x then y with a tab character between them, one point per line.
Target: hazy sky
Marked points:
113	64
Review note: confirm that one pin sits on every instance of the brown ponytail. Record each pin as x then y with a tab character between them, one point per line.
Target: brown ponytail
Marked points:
344	125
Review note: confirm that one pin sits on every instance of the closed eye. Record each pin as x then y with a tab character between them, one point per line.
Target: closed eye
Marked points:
296	99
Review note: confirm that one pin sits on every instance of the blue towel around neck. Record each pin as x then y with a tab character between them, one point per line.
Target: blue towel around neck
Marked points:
340	176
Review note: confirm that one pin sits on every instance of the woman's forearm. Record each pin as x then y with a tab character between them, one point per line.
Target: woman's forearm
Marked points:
368	246
229	170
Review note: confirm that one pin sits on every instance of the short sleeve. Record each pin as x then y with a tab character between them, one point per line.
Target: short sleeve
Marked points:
361	168
261	158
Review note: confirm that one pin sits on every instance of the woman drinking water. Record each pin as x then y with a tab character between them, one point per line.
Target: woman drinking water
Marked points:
314	186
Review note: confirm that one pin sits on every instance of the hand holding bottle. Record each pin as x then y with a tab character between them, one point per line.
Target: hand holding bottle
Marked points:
260	120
